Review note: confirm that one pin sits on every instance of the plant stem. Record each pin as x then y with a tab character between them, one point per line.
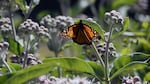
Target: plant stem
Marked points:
3	59
58	68
28	37
106	56
26	52
33	43
98	55
12	22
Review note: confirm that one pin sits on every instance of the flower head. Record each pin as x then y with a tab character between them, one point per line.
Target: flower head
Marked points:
29	27
111	50
5	24
114	18
131	80
31	59
55	27
64	80
6	5
3	48
59	22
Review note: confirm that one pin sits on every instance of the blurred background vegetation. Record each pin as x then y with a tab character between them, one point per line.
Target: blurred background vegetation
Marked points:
136	38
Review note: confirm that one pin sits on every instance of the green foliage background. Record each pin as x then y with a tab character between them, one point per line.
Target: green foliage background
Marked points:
132	46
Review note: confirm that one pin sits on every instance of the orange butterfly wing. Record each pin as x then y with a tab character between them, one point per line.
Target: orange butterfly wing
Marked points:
84	35
82	38
80	33
90	32
70	31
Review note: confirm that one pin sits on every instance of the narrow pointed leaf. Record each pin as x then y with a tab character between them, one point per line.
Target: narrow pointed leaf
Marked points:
27	74
22	4
125	63
98	70
72	64
15	67
5	78
129	67
14	46
118	3
125	25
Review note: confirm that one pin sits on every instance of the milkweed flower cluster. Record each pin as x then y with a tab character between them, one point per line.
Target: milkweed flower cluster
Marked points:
55	27
31	59
6	4
102	49
4	46
75	80
59	22
29	27
114	18
133	80
5	24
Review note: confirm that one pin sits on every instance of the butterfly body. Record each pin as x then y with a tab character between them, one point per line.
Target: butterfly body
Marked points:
80	33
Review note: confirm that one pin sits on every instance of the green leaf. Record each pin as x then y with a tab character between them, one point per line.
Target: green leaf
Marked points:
125	64
117	3
138	56
15	67
78	65
145	43
5	78
125	25
126	51
66	45
98	69
147	77
73	64
22	4
140	34
145	24
14	46
70	64
27	74
119	63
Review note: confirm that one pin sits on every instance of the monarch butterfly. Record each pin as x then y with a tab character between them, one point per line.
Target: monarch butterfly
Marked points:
80	33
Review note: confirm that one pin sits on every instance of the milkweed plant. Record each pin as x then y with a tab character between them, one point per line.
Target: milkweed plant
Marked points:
100	62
